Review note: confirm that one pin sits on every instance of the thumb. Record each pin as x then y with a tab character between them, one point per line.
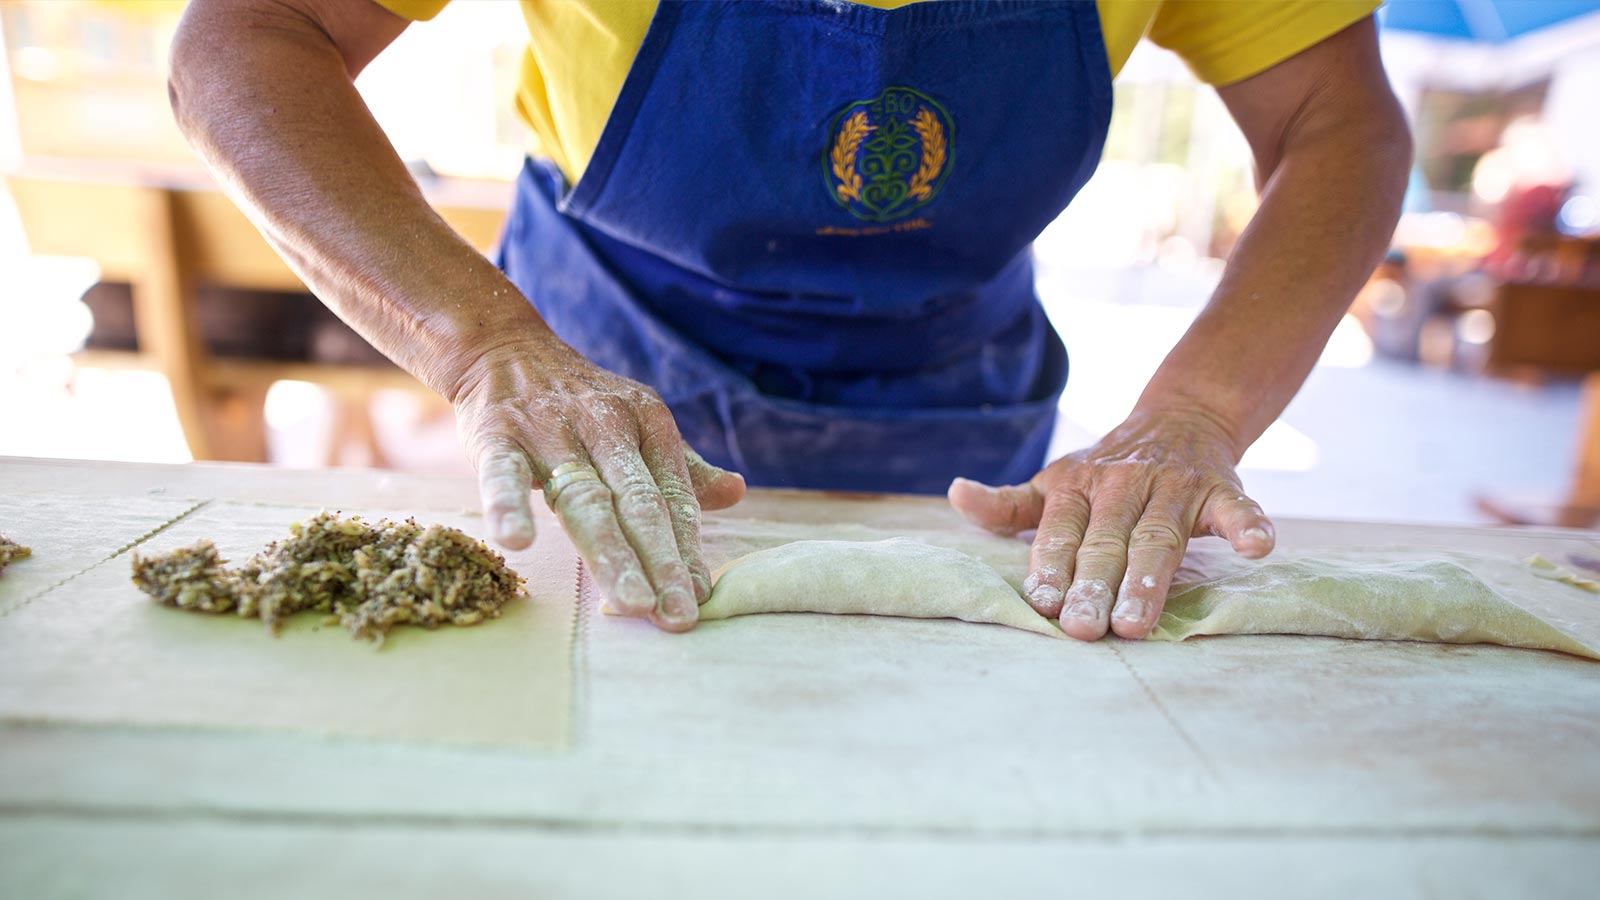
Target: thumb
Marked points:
1003	510
715	487
1238	520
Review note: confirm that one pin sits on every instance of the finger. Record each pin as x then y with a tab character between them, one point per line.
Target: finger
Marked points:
1103	556
586	514
505	479
1061	527
1155	550
716	488
1002	510
1231	515
642	513
663	453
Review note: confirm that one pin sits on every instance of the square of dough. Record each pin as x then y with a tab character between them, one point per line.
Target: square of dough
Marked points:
98	651
71	534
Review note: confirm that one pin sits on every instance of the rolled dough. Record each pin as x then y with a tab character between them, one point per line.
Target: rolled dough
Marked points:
1438	600
1370	594
895	577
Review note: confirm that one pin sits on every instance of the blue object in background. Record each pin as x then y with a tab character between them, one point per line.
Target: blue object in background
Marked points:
1489	21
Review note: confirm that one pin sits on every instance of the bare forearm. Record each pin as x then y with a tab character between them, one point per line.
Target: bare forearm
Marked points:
263	94
1327	213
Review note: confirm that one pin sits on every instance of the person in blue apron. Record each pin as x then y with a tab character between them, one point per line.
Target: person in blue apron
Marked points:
800	253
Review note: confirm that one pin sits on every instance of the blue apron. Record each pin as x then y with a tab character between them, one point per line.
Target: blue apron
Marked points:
807	225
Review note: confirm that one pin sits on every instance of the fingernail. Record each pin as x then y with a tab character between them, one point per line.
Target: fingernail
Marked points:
1086	599
1046	598
1080	610
1091	590
678	606
633	592
1259	534
1040	576
1129	610
702	587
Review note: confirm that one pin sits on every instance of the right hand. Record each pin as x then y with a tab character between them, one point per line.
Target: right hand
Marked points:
527	407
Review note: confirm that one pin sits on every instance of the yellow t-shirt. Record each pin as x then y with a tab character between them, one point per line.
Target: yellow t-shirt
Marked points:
579	51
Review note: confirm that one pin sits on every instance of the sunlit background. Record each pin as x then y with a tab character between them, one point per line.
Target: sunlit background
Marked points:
1435	400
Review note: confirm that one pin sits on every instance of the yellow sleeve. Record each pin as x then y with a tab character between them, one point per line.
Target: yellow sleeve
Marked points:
1123	24
415	10
1225	41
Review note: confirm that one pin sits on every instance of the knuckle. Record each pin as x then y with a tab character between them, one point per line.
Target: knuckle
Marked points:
677	494
585	495
1103	547
609	411
656	422
1116	497
506	467
1121	471
642	394
1054	544
1069	499
671	569
1071	479
685	514
639	497
650	405
641	398
1184	482
492	448
1161	535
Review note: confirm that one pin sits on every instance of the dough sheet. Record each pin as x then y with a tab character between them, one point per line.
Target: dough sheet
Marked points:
98	651
1371	593
71	534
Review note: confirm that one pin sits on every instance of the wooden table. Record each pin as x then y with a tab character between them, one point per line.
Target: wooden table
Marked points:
849	756
164	229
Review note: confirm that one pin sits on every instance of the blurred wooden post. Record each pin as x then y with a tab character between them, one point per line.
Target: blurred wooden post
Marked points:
217	423
1586	478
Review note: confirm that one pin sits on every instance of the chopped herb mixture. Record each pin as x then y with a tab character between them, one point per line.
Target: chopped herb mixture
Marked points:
11	551
368	577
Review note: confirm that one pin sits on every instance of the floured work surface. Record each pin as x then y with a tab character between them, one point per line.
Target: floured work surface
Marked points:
1367	593
814	755
96	650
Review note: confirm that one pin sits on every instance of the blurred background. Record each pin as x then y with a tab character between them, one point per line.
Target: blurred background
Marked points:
143	319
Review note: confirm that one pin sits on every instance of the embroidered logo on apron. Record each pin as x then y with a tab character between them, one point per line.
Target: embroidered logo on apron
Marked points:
887	156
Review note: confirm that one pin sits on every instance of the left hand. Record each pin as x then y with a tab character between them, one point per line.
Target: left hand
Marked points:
1121	513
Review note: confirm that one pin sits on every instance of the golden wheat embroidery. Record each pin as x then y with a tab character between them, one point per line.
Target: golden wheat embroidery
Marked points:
932	134
843	156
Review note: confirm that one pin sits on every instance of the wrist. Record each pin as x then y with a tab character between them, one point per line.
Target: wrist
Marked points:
1198	415
467	359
